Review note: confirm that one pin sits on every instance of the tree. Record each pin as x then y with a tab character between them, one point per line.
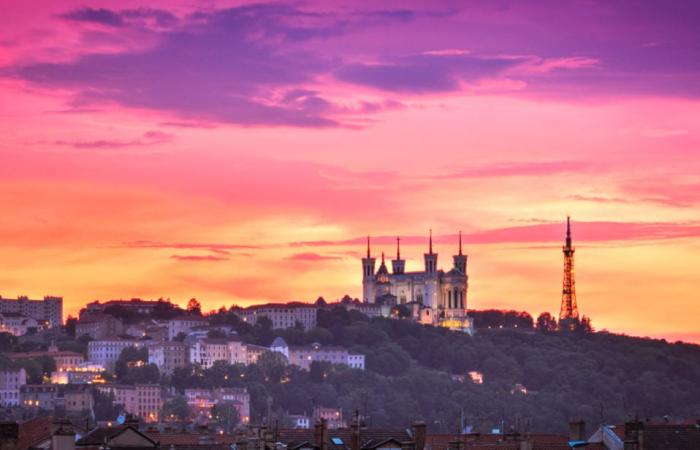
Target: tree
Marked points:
194	307
104	406
273	366
546	323
226	415
176	408
70	326
130	356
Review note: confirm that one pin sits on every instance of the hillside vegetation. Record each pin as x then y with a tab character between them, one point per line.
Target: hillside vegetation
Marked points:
531	379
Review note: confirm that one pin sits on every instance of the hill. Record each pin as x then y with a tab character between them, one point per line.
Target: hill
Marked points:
537	380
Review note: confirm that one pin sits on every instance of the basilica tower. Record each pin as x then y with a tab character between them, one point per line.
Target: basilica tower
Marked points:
460	260
398	265
430	258
368	276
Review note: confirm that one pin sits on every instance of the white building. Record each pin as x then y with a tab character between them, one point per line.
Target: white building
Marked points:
106	351
10	382
183	324
282	315
304	356
207	351
49	310
16	323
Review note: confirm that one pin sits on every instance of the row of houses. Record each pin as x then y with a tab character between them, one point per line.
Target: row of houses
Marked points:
205	351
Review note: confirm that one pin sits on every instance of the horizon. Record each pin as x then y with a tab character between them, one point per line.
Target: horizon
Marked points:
240	153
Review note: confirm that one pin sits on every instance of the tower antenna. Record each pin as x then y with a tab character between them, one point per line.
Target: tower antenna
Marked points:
568	314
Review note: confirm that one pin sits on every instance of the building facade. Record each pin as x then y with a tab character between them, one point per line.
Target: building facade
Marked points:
98	326
106	351
11	380
440	295
303	356
282	315
49	310
17	324
184	324
168	356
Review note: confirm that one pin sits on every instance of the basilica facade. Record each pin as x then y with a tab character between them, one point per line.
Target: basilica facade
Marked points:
432	295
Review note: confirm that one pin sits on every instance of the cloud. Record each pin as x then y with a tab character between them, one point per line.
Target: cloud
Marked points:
426	72
542	232
218	248
663	132
311	257
148	138
197	258
100	16
512	169
666	192
118	19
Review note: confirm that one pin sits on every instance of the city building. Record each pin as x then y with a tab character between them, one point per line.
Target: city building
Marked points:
85	373
441	295
304	356
17	324
168	356
201	401
98	326
142	400
282	315
106	351
65	360
209	350
183	324
333	417
11	380
48	311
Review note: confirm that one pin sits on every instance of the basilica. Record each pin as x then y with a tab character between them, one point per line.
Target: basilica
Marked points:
432	295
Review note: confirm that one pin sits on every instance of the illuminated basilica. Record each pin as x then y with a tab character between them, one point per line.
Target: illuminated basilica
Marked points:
432	295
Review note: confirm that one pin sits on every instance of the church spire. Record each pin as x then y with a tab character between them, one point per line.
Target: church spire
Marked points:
460	242
430	245
368	246
382	258
398	248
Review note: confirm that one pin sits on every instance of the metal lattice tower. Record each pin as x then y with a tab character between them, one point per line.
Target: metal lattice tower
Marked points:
569	310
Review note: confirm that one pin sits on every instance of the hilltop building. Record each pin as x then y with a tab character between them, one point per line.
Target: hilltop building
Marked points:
435	296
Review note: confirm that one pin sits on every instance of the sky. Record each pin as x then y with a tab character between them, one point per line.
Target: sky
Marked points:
240	152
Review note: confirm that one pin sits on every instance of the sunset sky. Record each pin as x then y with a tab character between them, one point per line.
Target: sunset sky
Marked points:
241	152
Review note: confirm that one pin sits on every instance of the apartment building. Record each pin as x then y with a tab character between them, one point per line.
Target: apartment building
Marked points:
168	356
106	351
11	380
48	311
282	315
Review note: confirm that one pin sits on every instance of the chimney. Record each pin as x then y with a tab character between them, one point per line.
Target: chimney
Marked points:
321	434
634	433
457	444
419	434
355	425
577	430
526	444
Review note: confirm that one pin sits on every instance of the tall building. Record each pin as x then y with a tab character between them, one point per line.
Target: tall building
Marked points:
441	296
11	380
568	314
49	310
